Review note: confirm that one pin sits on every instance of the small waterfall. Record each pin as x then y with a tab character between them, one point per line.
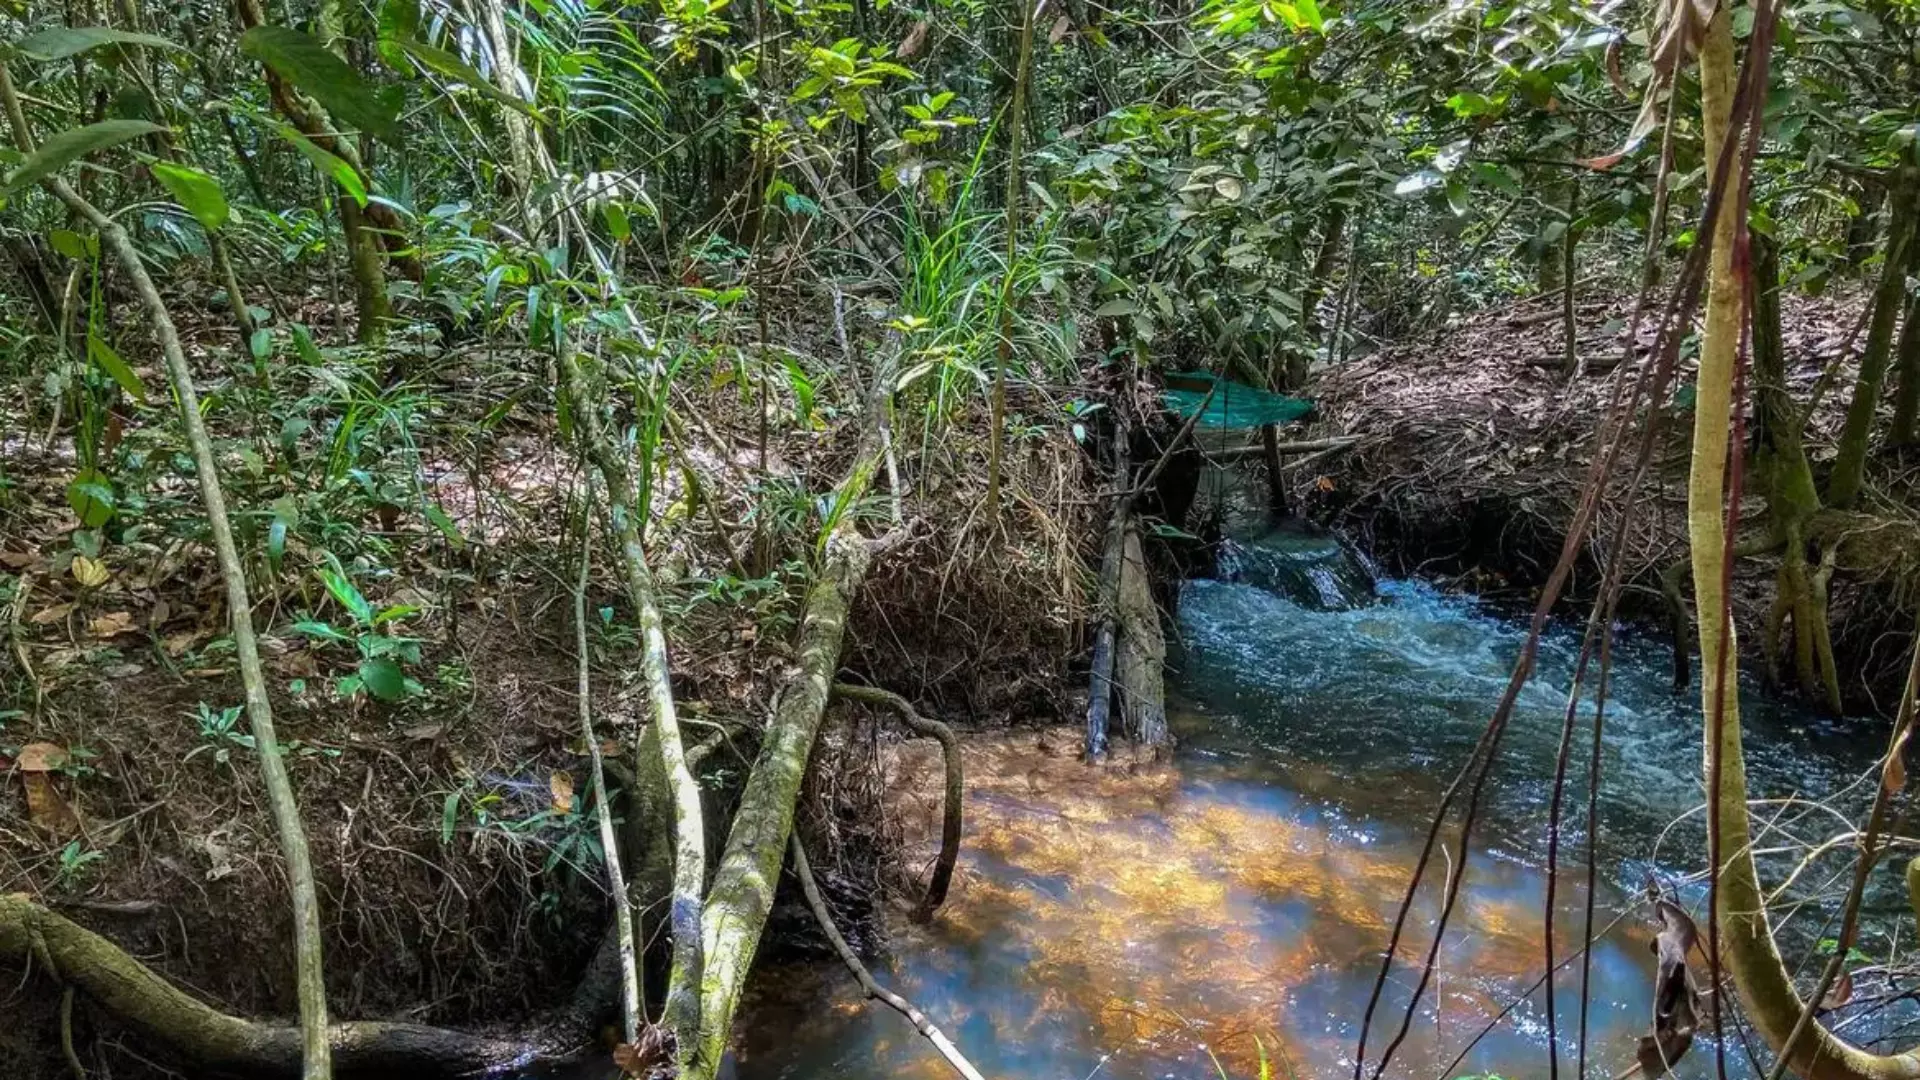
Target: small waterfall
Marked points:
1313	570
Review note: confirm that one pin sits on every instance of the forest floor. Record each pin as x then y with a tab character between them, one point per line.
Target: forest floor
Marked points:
1474	450
452	831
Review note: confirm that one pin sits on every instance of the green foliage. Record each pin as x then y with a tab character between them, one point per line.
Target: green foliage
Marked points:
220	732
384	652
306	62
76	861
69	146
195	190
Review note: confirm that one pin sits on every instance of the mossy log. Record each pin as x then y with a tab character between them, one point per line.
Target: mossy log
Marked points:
218	1043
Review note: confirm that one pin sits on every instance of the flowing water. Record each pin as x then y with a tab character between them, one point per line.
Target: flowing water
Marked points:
1145	921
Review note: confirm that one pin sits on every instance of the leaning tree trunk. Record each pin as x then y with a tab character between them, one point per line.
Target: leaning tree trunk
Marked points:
1760	975
741	896
1906	401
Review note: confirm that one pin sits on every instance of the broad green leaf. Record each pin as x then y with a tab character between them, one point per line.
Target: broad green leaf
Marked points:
346	594
319	631
383	679
195	190
303	60
260	343
101	353
328	163
617	222
91	496
72	144
1310	16
447	65
61	42
445	524
399	22
1115	308
71	244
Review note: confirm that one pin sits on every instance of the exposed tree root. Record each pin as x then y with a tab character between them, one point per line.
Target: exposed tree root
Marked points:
952	811
214	1041
873	989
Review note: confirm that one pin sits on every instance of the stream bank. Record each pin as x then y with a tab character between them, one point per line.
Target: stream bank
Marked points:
1472	452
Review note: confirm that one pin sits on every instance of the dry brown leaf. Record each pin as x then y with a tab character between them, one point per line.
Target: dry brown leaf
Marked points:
46	808
162	611
1840	993
178	644
112	624
560	786
1894	775
39	757
50	615
1059	31
16	560
916	39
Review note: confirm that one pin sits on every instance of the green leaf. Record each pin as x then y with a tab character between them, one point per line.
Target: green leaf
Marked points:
447	65
195	190
617	222
1115	308
399	21
345	594
71	244
319	631
72	144
60	42
260	342
91	496
101	353
328	163
303	60
445	524
383	679
449	813
1310	16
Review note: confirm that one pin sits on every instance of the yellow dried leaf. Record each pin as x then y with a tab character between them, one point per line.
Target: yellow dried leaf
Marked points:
89	572
560	785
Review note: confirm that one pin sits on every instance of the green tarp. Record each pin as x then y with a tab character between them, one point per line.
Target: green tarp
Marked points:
1234	405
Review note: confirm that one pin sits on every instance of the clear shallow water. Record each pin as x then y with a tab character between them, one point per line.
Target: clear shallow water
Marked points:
1139	921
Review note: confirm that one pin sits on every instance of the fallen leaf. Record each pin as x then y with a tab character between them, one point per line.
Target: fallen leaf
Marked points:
1840	993
16	560
41	757
1894	776
162	611
178	644
112	624
1325	483
89	572
560	785
46	808
49	615
426	732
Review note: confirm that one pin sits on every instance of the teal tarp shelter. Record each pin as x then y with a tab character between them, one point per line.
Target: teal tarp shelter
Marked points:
1234	405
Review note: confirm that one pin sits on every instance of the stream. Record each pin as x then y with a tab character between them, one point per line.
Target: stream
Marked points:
1182	920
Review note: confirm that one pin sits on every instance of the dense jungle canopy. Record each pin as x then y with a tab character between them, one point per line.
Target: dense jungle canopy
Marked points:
489	487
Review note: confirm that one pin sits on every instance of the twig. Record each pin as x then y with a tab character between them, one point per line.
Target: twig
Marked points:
873	989
66	1034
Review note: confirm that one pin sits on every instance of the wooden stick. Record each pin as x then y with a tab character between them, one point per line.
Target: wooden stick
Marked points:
873	989
951	809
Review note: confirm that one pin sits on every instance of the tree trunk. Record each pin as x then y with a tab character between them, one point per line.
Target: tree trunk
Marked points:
1850	464
1906	402
1746	938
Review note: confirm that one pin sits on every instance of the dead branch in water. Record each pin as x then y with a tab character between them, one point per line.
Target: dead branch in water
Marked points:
873	989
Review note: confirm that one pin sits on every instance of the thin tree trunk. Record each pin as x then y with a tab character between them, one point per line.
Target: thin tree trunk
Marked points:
1850	463
1906	402
1745	937
286	812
